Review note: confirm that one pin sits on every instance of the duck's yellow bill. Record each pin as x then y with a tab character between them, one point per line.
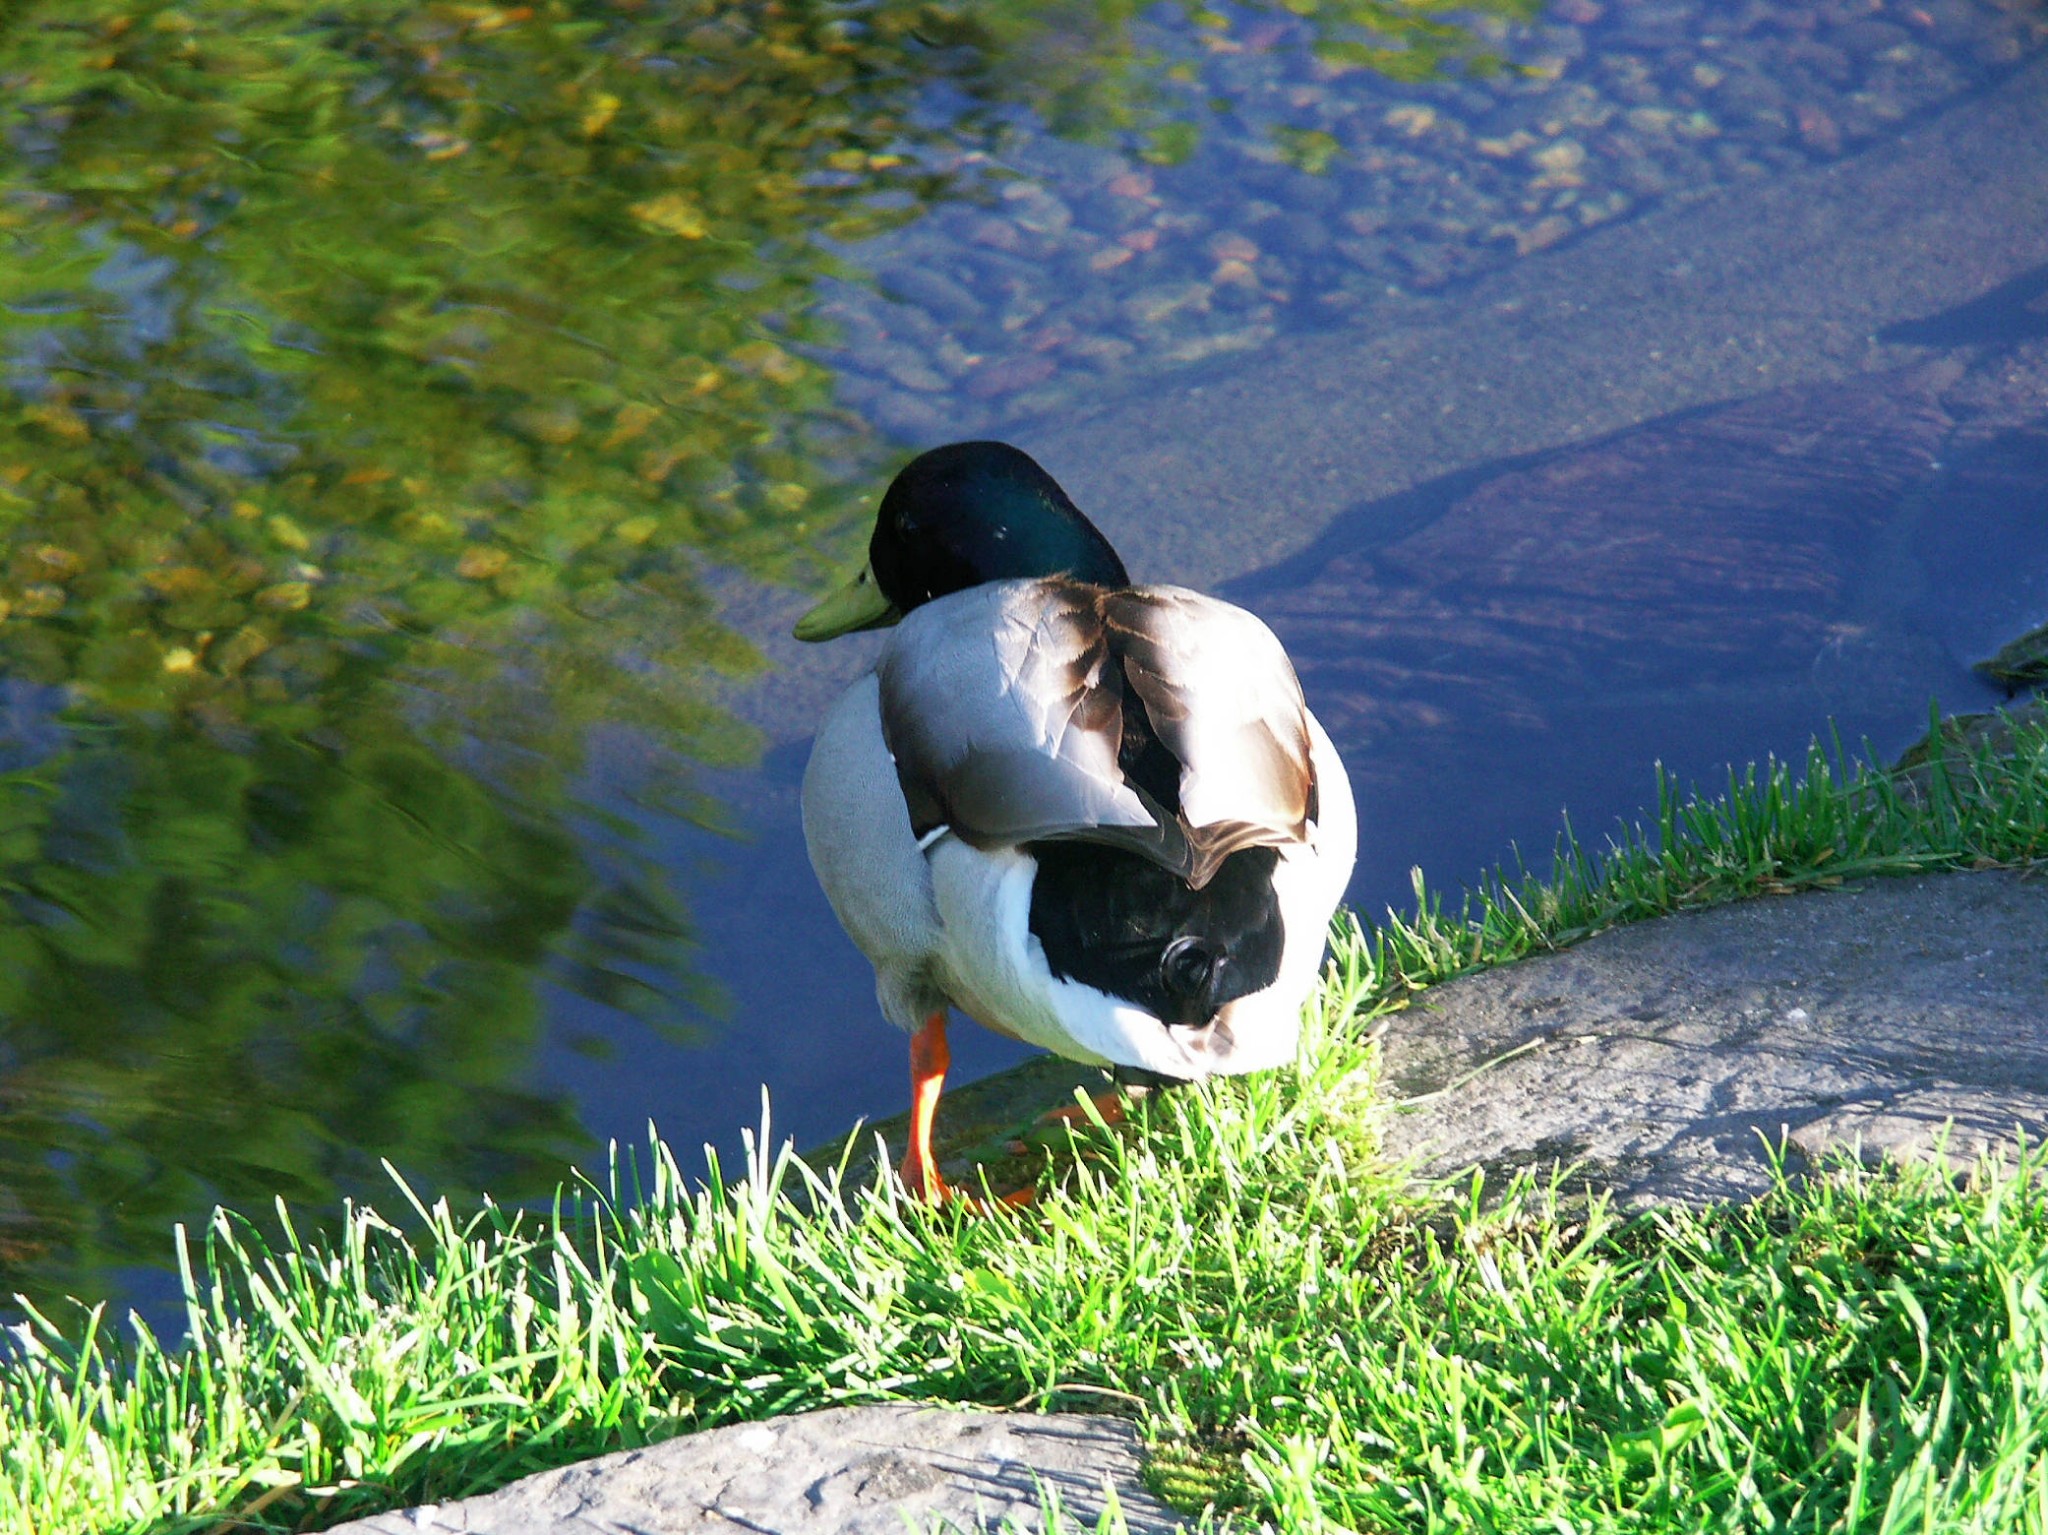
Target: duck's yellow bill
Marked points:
857	605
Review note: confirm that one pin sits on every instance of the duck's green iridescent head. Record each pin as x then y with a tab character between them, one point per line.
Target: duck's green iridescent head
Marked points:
958	516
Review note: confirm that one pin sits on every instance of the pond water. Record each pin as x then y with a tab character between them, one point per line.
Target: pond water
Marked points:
419	426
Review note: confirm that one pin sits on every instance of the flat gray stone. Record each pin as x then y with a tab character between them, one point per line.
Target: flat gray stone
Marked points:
885	1470
1662	1057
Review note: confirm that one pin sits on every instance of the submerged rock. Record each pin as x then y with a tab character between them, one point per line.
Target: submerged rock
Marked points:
1713	545
1963	738
2022	664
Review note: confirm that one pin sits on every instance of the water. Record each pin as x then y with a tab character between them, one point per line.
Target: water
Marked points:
414	436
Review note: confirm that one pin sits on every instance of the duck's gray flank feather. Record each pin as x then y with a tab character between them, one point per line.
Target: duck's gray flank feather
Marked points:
1008	707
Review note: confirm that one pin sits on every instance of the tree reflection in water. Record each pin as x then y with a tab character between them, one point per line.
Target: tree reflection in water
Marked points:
380	380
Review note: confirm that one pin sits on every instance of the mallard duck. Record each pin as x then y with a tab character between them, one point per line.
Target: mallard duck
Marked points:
1093	816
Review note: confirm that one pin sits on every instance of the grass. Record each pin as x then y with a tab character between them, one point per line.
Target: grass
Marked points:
1299	1334
1973	803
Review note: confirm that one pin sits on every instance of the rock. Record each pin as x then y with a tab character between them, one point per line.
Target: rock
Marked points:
1215	344
1036	210
1231	246
906	368
1154	306
1436	150
1723	543
1541	235
1560	163
998	234
1427	262
1818	131
980	1126
2021	664
931	290
1411	120
845	1471
1662	1059
1370	253
1964	736
908	416
1011	375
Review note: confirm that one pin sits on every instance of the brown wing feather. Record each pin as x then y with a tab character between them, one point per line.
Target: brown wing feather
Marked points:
992	706
1008	707
1220	693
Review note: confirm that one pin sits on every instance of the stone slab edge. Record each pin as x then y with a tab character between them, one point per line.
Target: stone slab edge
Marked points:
878	1470
1670	1061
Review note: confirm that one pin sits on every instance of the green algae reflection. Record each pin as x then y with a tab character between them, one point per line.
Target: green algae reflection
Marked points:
377	382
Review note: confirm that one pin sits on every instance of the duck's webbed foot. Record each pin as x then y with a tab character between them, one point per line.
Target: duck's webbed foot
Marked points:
1130	1084
1109	1104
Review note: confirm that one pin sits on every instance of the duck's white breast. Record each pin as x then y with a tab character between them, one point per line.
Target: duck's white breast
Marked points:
857	831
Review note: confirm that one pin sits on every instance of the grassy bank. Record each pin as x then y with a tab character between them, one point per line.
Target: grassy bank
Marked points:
1298	1333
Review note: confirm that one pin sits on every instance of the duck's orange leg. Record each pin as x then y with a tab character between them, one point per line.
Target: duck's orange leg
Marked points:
1109	1105
929	1058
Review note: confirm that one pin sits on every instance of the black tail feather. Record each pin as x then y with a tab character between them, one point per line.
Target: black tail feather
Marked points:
1116	921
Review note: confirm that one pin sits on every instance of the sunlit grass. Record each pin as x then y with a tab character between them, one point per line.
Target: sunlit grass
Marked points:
1769	832
1299	1334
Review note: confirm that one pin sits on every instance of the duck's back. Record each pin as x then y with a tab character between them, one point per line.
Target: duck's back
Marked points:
1152	719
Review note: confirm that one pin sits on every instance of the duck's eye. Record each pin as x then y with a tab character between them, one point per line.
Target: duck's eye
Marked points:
1186	966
